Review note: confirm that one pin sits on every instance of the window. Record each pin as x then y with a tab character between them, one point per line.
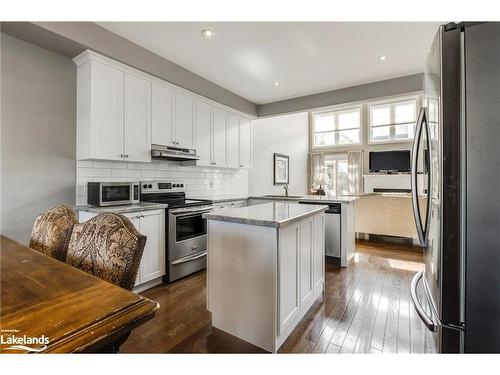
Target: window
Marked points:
337	128
392	122
336	168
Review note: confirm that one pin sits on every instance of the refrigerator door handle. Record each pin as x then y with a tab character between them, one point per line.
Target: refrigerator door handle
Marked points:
414	177
429	323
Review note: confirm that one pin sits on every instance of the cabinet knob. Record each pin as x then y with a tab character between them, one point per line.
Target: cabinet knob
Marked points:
121	155
126	155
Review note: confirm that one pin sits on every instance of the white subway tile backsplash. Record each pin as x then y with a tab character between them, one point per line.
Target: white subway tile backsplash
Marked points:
126	173
110	164
84	164
93	172
200	182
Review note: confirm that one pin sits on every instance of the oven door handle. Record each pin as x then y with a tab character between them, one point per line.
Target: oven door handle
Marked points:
189	258
193	211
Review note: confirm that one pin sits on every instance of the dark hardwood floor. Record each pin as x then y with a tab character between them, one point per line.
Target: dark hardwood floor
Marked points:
366	309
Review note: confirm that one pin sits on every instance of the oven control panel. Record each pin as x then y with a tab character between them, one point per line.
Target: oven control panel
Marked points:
162	187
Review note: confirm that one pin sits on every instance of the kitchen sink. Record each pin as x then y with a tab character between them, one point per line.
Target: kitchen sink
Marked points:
283	196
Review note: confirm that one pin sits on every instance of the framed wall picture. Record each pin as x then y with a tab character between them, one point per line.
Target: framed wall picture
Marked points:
281	169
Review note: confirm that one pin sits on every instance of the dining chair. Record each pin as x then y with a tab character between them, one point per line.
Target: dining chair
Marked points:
52	230
109	247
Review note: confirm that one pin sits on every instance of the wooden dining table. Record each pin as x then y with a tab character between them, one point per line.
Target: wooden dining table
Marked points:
57	308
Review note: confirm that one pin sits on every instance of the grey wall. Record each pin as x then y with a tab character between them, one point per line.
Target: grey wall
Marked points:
38	134
377	89
71	38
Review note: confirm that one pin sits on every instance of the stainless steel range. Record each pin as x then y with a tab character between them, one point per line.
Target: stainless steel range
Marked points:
186	230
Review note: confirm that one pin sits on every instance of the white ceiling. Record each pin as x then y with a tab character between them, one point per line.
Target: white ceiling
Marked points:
306	58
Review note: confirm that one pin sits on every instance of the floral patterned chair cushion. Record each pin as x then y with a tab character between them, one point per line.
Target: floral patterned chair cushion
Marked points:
109	247
52	230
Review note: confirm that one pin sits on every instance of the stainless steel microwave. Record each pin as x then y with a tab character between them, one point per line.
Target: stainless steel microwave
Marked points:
112	193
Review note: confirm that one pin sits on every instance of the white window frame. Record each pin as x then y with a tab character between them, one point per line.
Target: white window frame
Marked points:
333	110
390	101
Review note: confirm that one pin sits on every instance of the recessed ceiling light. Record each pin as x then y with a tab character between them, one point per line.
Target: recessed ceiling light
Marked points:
207	33
276	83
382	58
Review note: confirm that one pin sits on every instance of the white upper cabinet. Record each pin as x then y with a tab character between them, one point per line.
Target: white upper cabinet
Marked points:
137	119
219	138
204	113
113	113
233	141
121	112
184	121
223	138
245	143
162	115
100	112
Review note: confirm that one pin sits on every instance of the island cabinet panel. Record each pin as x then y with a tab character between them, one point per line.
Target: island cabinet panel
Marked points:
288	270
318	253
241	281
306	263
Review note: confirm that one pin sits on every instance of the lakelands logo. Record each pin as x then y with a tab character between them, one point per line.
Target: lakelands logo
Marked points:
18	342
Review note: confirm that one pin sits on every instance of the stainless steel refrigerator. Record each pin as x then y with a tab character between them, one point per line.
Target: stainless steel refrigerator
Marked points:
457	215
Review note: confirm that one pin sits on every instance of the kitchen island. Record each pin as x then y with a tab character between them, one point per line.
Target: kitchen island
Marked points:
265	268
339	222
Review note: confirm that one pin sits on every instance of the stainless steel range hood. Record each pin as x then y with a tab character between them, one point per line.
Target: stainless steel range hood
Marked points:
173	153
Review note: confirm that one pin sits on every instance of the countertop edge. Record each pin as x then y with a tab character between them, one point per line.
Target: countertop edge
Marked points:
223	200
120	209
305	199
262	222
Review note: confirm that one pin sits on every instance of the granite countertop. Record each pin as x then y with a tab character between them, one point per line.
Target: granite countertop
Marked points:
391	195
275	214
136	207
222	200
311	198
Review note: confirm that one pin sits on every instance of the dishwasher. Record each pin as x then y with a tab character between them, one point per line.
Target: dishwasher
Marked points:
333	236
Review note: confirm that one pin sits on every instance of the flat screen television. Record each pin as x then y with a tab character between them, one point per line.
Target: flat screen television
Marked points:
390	161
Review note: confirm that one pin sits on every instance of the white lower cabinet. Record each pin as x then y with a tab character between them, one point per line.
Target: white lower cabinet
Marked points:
152	225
